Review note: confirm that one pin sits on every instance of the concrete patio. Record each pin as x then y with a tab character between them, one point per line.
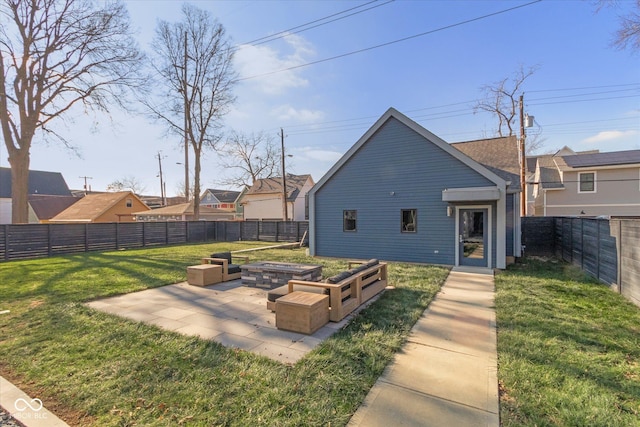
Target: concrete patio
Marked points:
228	313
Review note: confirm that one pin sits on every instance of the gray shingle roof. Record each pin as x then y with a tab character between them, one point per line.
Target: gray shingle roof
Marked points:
499	155
224	196
603	159
274	185
40	182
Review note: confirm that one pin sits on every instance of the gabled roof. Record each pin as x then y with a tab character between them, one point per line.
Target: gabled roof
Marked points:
274	185
392	113
549	169
179	209
40	182
224	196
614	158
499	155
46	207
92	206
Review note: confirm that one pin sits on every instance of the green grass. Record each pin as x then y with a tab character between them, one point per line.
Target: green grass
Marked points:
568	349
92	368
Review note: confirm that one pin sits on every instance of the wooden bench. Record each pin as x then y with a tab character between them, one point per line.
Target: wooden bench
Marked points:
352	288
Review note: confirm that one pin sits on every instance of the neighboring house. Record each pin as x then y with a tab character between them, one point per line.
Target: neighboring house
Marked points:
225	200
44	208
41	183
102	207
183	212
263	200
403	194
587	184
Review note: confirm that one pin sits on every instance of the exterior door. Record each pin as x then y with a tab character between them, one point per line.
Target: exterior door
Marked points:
472	239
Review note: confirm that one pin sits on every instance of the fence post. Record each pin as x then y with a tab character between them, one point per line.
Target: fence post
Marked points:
144	234
117	235
86	237
598	248
48	239
619	255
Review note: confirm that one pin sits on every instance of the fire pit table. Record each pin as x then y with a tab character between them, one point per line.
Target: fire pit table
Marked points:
269	275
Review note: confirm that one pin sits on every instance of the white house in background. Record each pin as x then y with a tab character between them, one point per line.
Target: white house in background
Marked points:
587	184
263	200
41	184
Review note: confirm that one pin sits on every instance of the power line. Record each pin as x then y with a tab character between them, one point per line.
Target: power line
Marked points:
300	29
468	21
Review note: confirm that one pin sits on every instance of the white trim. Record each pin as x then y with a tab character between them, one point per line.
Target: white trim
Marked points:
470	194
601	205
489	232
602	167
517	229
595	180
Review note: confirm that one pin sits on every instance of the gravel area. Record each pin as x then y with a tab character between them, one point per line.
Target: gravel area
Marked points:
7	420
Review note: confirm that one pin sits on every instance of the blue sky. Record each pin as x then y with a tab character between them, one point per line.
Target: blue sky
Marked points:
585	93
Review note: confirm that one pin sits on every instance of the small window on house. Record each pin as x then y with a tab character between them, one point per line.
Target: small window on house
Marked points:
409	220
129	203
349	220
587	182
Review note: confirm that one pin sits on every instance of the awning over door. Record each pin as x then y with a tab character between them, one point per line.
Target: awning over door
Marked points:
470	194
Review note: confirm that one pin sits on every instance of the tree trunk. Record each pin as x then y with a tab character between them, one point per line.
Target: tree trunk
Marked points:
196	185
19	161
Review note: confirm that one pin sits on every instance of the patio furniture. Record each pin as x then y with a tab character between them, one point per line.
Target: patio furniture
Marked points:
204	274
230	271
303	312
346	291
270	274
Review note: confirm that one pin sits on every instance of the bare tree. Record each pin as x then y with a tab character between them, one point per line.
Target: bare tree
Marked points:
628	34
193	59
127	183
501	99
250	157
56	55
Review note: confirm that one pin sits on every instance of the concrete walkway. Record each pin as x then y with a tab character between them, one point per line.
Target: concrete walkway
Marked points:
446	374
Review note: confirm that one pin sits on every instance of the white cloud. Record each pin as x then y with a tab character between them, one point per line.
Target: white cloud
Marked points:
327	156
610	135
254	63
287	112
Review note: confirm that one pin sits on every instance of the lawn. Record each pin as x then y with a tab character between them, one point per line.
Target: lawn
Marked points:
92	368
568	349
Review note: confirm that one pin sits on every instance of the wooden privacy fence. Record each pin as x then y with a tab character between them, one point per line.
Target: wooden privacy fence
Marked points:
607	249
23	241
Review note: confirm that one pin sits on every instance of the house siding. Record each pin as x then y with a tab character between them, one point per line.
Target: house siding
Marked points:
395	169
510	219
617	193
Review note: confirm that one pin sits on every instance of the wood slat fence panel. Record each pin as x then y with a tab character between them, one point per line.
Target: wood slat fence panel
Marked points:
607	249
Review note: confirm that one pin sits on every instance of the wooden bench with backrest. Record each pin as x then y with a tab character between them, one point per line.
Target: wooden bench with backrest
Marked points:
230	271
347	290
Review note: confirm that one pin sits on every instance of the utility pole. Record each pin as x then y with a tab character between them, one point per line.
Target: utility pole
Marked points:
523	160
163	195
284	180
86	189
186	121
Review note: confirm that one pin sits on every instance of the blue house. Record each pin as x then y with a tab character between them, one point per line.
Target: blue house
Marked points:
403	194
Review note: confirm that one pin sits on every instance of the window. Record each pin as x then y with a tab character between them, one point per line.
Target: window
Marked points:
587	182
349	220
409	220
129	203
